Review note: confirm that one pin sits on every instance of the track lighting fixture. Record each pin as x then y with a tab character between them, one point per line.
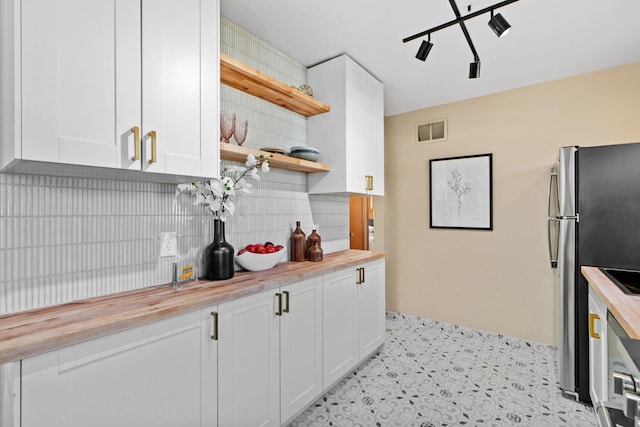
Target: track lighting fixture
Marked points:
425	48
497	23
474	70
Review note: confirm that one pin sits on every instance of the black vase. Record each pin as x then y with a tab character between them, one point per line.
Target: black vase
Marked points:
218	256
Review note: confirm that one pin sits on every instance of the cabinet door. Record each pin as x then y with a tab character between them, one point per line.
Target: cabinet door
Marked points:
597	348
248	362
327	131
180	73
371	314
301	346
373	147
356	116
351	136
163	374
10	394
78	58
339	324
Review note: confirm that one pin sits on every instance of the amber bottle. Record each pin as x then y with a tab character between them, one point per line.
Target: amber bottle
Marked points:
313	237
298	244
315	253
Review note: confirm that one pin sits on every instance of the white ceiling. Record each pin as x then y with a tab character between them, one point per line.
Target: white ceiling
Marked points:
549	39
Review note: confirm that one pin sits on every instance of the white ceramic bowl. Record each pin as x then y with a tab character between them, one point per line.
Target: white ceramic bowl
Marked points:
257	262
303	148
312	157
306	153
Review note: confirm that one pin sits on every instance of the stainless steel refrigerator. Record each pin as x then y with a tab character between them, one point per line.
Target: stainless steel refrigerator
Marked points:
594	219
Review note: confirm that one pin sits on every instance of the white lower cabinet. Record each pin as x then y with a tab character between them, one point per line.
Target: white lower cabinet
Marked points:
248	362
301	347
162	374
353	317
598	361
339	324
257	360
270	355
371	314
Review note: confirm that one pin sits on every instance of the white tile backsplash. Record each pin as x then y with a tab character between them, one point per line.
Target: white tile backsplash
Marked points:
63	239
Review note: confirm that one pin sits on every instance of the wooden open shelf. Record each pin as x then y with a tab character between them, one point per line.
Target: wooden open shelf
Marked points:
247	79
239	153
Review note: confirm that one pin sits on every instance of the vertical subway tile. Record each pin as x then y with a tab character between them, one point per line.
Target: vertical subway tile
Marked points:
69	238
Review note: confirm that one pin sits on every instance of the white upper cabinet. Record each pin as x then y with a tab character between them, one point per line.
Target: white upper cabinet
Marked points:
73	62
180	86
373	147
351	136
119	84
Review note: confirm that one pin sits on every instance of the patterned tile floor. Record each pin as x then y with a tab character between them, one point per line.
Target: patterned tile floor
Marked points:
434	374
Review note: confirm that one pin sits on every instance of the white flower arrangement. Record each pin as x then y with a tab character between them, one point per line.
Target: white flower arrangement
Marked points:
219	194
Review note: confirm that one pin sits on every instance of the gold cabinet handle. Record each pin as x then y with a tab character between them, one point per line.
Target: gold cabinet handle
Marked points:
279	312
286	301
152	135
136	143
592	330
369	179
214	335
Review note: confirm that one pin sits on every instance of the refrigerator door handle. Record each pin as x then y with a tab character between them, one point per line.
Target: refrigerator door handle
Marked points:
553	236
553	224
554	199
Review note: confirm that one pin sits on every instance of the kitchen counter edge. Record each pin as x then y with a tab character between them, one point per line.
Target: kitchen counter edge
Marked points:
38	331
625	308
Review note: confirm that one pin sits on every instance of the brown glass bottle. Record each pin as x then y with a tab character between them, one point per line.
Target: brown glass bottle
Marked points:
315	253
298	244
313	237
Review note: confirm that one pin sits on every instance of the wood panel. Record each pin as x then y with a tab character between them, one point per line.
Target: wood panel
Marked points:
625	308
358	224
247	79
34	332
239	153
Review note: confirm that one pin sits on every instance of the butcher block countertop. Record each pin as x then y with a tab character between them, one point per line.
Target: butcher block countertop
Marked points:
624	307
37	331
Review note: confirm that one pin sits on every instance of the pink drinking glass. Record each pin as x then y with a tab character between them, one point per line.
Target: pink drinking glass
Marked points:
227	124
240	130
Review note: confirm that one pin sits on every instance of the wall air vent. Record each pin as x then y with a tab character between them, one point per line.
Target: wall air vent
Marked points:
433	131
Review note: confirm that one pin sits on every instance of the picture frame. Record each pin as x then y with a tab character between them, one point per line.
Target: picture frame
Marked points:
461	192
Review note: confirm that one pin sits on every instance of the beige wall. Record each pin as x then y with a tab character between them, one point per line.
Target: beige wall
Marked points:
496	280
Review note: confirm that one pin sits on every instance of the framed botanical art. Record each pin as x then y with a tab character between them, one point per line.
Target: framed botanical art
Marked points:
461	193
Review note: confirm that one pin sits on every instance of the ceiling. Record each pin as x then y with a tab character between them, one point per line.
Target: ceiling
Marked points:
549	40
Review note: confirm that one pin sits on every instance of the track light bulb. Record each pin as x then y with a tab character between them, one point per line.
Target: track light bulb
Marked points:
499	25
423	51
474	70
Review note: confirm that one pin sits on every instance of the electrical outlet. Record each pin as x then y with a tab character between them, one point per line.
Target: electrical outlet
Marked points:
168	244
